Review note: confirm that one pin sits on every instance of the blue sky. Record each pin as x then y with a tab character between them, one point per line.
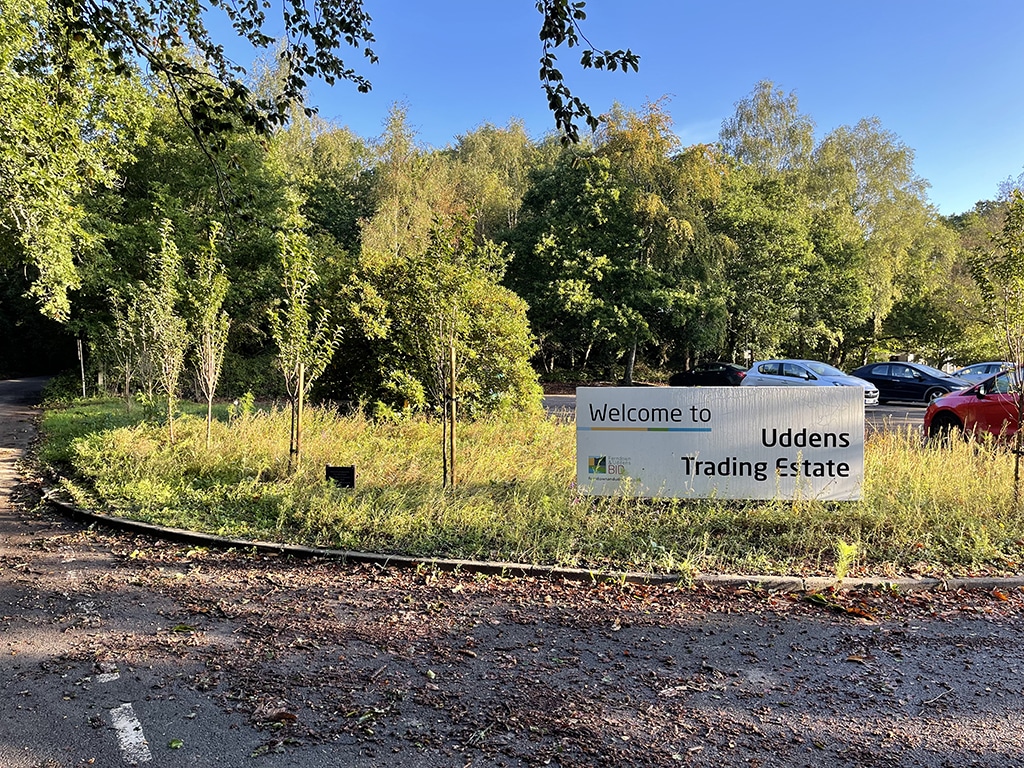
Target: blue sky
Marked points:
945	76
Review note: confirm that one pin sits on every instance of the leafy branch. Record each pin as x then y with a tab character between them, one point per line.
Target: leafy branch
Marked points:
561	25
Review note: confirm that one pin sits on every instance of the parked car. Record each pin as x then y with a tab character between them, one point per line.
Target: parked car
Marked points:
988	408
909	381
791	373
709	375
980	371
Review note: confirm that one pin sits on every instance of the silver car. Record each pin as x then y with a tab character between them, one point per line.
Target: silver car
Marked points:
980	371
804	373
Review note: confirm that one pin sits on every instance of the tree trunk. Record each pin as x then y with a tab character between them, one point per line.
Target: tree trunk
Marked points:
627	376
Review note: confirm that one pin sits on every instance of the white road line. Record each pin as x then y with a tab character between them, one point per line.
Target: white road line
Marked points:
129	735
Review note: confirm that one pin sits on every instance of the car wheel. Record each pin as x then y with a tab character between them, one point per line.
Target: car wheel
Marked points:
944	428
934	394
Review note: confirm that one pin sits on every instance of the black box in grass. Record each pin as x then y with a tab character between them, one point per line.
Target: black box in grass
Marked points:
343	477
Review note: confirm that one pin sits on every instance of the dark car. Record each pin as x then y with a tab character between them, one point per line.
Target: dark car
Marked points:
909	381
988	408
709	375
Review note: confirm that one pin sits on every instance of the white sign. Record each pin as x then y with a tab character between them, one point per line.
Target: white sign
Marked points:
726	442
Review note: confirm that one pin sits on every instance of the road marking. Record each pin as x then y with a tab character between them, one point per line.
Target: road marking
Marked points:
129	735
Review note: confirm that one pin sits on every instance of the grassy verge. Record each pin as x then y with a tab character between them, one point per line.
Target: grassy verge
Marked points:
925	509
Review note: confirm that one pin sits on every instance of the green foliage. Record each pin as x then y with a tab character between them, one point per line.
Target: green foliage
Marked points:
165	327
612	252
67	121
766	222
212	90
241	190
305	344
258	373
562	20
768	132
210	324
424	282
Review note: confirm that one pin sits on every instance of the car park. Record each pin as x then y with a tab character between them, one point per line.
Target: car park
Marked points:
897	380
978	372
709	375
802	373
989	408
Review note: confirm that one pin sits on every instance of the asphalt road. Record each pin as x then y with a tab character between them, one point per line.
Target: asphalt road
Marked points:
117	649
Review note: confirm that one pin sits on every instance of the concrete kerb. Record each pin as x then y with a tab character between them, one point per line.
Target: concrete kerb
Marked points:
784	584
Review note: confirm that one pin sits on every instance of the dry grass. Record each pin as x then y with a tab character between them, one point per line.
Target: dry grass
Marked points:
925	509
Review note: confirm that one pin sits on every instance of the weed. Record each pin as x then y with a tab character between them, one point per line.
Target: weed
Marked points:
846	554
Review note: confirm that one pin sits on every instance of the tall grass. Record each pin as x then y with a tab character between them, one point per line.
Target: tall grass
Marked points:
925	509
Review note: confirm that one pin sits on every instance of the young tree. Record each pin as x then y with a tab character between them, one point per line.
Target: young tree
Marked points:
123	343
167	328
305	344
210	323
1000	273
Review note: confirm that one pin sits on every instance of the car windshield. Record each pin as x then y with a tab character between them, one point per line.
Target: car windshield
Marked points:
933	371
824	370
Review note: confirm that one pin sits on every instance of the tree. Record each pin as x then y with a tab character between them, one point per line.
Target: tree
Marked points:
767	223
71	103
171	178
1000	274
663	192
67	122
873	172
167	329
768	132
123	344
612	250
424	279
493	173
210	323
305	343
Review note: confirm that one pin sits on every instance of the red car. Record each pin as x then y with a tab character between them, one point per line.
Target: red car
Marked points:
988	408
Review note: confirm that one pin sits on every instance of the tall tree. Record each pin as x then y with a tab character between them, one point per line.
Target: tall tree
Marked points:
767	223
661	197
873	171
768	132
423	276
67	121
612	250
494	173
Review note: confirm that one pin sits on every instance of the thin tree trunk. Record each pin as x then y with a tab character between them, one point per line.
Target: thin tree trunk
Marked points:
451	431
209	419
627	377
